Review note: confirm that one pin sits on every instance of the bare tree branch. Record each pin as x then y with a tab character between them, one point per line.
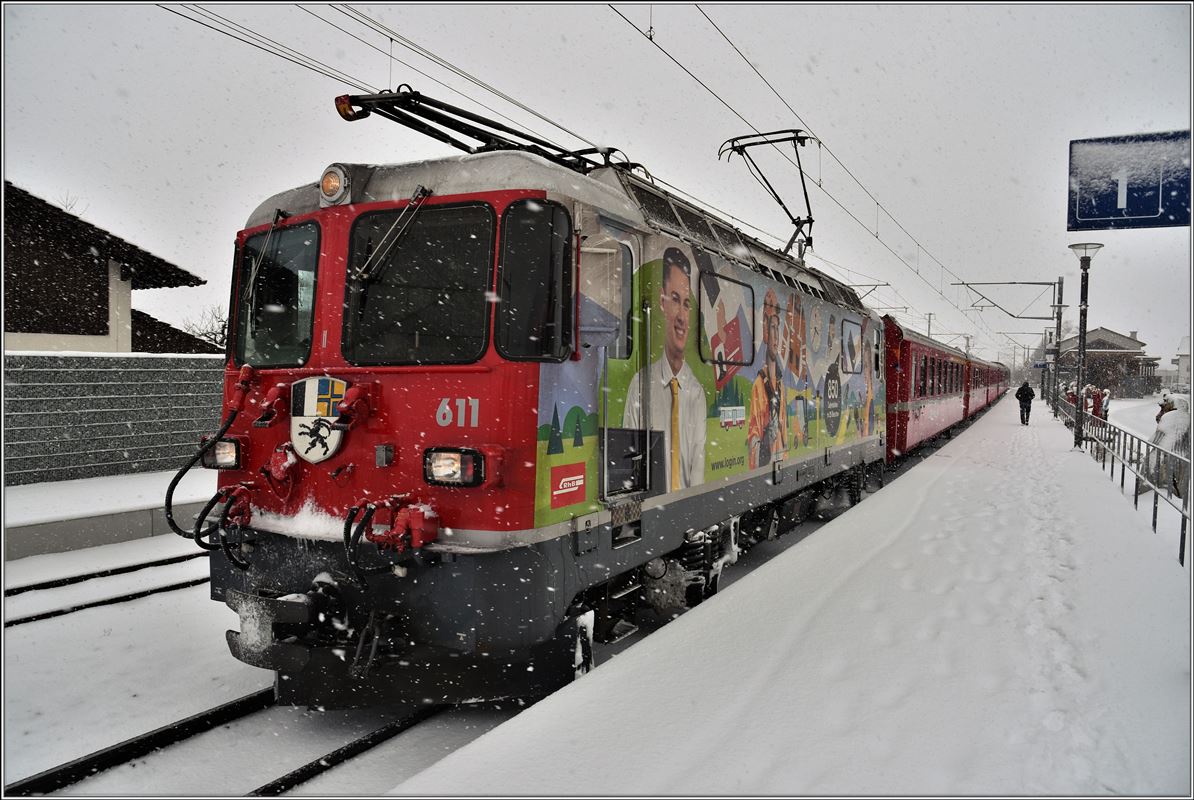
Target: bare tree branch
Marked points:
211	326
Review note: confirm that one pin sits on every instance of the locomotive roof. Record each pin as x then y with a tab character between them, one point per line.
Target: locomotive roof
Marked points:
614	190
464	174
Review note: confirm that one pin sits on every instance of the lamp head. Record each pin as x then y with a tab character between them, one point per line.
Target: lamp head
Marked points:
1085	249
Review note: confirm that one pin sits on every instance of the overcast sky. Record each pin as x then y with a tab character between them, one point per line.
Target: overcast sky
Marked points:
956	119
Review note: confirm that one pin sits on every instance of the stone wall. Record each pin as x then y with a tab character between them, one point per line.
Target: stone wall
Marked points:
88	415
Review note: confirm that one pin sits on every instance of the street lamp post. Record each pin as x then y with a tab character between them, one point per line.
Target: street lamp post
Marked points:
1085	252
1057	307
1045	371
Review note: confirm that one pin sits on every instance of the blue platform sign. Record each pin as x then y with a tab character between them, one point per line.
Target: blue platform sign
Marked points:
1137	181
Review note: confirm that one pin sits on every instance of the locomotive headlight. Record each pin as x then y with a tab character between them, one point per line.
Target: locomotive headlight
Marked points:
334	186
225	454
444	466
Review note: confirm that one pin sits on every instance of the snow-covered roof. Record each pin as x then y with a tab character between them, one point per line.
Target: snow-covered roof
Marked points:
146	270
463	174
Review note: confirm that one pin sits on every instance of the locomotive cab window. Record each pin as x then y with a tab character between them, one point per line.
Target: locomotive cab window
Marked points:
416	286
535	300
276	304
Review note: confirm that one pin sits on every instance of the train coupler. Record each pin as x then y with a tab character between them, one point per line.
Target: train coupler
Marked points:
257	642
413	526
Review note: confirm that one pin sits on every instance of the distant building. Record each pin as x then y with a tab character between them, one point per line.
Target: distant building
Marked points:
1182	362
1113	361
68	285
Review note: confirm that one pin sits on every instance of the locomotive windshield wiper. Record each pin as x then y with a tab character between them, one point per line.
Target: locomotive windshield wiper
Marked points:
279	215
377	261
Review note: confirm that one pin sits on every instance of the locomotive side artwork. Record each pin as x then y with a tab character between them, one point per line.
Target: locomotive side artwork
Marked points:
481	409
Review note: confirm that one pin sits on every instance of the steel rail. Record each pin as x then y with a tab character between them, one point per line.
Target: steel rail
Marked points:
55	778
110	601
60	582
342	754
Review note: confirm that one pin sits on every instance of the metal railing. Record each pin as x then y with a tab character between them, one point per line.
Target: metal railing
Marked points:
1154	469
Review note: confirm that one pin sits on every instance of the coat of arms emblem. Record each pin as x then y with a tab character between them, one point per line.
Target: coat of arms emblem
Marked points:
313	411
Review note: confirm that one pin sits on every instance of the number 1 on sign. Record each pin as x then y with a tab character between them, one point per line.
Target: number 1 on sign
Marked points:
1121	179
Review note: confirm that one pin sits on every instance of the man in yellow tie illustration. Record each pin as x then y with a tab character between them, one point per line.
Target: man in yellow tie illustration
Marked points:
676	398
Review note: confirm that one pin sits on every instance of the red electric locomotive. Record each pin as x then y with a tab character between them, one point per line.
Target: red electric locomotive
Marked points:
481	409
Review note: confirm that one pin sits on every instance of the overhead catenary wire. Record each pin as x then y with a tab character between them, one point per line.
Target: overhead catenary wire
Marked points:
309	63
259	41
827	193
439	60
878	205
420	50
393	58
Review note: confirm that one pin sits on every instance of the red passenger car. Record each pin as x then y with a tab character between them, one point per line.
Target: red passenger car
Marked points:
987	381
926	387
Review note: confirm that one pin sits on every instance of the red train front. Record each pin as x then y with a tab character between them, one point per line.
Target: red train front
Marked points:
387	404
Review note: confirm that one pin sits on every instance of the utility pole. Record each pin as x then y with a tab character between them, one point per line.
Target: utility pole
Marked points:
929	333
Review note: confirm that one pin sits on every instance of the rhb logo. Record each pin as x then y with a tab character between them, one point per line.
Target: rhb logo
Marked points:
567	485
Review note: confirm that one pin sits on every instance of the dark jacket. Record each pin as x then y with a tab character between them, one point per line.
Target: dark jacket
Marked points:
1025	394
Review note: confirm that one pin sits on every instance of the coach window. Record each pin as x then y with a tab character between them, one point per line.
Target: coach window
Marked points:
277	296
606	270
535	301
924	376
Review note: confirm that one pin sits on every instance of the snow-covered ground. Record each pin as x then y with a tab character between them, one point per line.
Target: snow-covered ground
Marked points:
997	621
55	501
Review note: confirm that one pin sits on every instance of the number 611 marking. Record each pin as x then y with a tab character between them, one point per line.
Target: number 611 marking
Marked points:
443	415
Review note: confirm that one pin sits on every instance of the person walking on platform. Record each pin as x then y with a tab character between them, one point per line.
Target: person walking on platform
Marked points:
1025	394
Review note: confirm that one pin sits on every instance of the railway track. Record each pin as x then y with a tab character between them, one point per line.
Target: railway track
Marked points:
80	769
123	597
58	583
63	775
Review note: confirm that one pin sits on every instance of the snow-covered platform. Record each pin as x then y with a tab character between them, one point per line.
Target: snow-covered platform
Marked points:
41	518
998	621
